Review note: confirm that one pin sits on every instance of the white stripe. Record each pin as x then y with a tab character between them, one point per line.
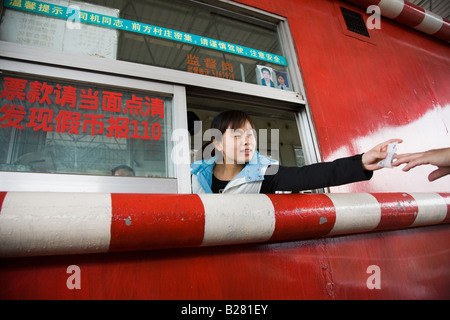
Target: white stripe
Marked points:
391	8
432	209
431	23
237	218
355	212
46	223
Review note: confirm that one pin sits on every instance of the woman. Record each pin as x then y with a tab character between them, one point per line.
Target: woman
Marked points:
236	166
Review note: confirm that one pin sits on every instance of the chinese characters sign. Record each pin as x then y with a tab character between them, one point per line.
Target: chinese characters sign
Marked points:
210	67
76	15
65	108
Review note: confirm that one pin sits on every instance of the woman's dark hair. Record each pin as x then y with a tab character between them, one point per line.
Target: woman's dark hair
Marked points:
232	119
123	167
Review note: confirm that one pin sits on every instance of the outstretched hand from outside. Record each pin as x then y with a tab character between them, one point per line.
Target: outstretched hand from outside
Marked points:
437	157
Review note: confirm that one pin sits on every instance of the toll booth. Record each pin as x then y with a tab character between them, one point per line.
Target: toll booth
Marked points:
87	87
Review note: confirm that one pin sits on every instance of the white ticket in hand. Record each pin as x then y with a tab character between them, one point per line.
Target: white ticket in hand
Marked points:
387	162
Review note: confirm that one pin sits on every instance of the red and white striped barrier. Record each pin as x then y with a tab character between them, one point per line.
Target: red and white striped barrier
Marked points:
66	223
410	15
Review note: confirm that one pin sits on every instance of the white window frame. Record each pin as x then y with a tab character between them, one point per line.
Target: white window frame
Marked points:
49	182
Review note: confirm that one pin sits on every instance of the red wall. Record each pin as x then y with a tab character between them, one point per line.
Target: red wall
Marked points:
413	265
362	93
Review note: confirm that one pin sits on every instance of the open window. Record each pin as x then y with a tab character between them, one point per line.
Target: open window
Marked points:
276	128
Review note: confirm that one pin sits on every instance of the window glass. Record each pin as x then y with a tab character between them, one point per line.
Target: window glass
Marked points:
160	33
55	126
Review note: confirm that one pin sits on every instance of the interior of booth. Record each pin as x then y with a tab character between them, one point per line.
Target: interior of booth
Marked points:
271	122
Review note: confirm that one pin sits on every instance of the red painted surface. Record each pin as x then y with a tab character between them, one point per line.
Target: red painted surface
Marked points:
2	197
364	92
304	222
411	14
395	213
413	264
156	221
444	32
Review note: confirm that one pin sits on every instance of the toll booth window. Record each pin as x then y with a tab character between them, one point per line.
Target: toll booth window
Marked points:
276	131
181	35
52	126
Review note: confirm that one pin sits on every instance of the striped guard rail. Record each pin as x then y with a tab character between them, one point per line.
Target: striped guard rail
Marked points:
410	15
33	224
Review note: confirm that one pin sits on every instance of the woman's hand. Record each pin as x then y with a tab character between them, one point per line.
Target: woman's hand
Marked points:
371	158
437	157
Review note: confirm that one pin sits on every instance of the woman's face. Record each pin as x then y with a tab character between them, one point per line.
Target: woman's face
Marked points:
238	145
